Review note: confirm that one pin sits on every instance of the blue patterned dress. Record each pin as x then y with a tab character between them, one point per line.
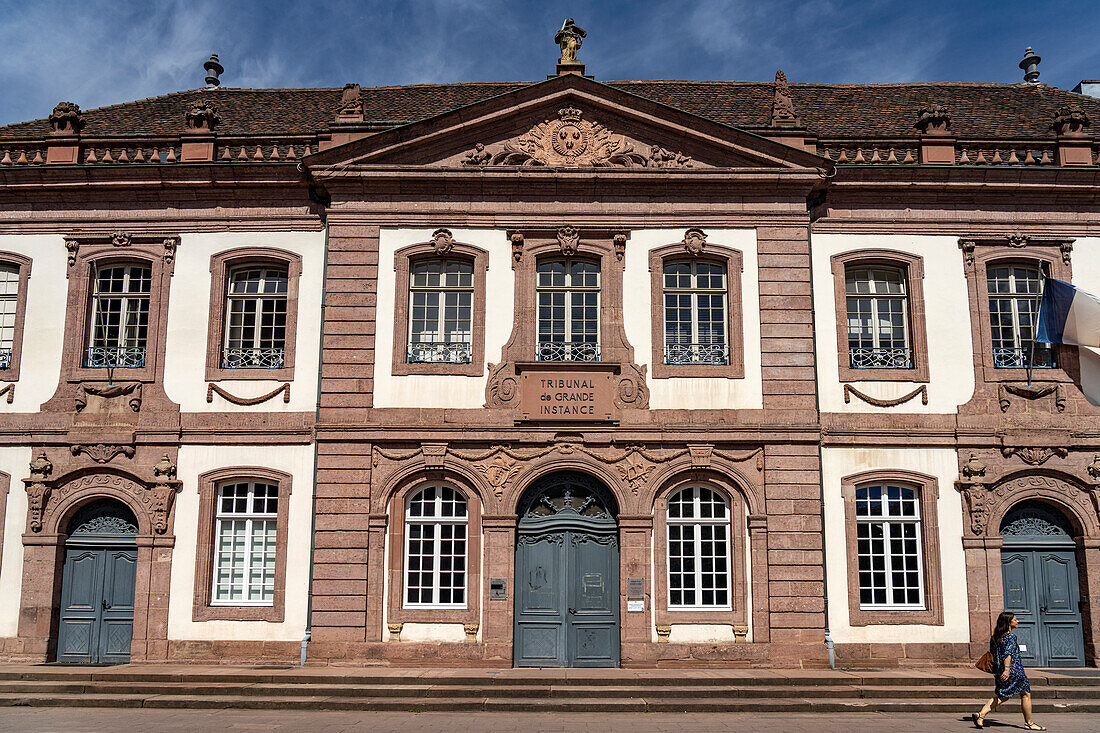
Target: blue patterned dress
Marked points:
1017	680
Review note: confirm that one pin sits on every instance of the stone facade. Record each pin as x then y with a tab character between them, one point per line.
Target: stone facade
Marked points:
623	176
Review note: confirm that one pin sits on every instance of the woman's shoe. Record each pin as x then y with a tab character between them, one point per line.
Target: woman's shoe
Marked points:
979	720
1033	726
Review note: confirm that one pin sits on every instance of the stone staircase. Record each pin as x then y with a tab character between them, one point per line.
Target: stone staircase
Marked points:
534	690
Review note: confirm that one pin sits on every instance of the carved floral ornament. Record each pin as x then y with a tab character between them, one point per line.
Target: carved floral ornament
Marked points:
442	241
981	499
118	239
66	119
695	240
202	117
1015	240
102	452
501	464
573	142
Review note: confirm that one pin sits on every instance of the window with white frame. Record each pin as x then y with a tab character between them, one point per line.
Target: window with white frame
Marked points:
695	313
888	547
441	297
698	521
878	318
435	548
119	323
245	544
9	304
255	323
568	293
1013	317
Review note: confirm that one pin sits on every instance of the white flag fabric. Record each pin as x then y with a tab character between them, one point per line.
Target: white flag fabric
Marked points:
1068	315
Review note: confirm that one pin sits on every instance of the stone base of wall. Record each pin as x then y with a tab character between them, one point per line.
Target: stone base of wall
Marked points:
907	655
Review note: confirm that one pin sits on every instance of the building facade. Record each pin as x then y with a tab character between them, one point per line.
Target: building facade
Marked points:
566	373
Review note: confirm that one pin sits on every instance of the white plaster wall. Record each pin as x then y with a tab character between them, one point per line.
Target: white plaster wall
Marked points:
942	463
429	390
297	460
189	318
1086	264
947	312
13	461
700	633
44	328
454	633
693	393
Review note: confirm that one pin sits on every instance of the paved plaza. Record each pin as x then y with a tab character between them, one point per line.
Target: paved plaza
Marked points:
94	720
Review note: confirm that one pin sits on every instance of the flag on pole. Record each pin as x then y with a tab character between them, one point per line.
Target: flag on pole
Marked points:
1068	315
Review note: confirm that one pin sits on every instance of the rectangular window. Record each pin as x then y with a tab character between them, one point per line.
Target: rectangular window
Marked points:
9	306
568	293
878	318
441	298
119	316
888	547
695	313
255	336
244	554
1013	309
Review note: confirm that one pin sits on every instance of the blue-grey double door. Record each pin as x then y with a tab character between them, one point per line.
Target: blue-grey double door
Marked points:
97	605
567	600
1040	587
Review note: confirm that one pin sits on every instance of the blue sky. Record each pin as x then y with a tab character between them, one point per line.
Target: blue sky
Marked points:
98	52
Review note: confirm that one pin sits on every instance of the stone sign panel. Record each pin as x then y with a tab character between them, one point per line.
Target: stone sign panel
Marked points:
555	394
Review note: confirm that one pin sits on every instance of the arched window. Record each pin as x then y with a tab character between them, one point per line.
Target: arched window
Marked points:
119	322
435	548
568	292
878	318
888	546
1013	291
244	555
698	549
9	306
441	300
695	312
255	318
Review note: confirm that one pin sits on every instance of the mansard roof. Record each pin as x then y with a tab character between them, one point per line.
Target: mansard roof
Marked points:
831	112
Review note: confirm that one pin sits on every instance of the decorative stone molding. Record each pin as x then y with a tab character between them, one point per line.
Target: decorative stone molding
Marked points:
850	391
662	158
1094	468
201	117
517	245
109	391
66	119
502	388
695	240
985	501
38	494
1015	240
170	244
212	388
663	632
442	241
619	243
1034	456
740	633
395	631
351	102
933	119
566	142
973	467
9	390
72	247
782	104
568	240
632	391
471	632
102	452
1070	121
1031	392
434	454
121	239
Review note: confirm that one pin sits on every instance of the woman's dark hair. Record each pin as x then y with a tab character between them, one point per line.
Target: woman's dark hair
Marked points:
1000	629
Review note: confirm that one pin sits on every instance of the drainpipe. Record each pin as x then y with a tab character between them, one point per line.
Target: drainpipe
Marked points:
316	451
820	450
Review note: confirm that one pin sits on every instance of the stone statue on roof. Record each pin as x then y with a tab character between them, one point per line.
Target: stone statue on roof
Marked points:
569	38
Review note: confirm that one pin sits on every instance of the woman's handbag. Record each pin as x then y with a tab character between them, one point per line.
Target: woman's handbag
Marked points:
985	663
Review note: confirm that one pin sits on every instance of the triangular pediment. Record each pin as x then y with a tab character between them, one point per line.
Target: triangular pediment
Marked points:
567	122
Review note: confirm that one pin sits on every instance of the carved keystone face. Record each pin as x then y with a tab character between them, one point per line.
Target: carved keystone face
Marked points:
570	141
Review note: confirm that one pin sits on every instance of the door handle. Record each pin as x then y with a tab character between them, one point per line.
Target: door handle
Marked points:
106	605
572	611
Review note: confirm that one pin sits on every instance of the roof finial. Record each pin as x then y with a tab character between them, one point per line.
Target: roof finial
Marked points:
213	68
569	38
782	105
1030	65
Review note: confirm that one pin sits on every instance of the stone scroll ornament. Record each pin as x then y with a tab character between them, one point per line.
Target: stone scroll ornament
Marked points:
850	391
109	391
38	491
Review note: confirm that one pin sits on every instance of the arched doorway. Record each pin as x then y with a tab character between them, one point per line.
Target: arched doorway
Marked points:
97	585
1039	568
567	574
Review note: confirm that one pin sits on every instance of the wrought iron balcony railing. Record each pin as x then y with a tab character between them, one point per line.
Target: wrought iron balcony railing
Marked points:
253	358
1005	357
568	351
5	358
880	358
116	357
440	352
697	354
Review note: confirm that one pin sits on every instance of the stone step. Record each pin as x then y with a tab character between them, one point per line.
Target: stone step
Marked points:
519	704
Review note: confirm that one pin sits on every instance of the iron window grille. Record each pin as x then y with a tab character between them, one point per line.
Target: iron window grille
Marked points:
441	294
1013	315
244	554
119	317
698	521
878	318
695	313
568	296
435	548
888	547
255	335
9	303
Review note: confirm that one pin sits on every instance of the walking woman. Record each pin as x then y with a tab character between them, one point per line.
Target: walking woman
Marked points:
1008	671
